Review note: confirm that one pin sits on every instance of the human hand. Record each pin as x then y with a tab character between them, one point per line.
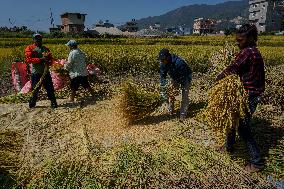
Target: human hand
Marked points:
46	54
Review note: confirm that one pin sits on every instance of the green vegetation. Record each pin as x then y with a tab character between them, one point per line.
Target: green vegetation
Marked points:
264	41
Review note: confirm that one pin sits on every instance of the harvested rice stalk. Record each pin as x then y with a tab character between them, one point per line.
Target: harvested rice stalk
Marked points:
221	59
172	91
59	69
21	98
136	102
10	145
15	98
227	103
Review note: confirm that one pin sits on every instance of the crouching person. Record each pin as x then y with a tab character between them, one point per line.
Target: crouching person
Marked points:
181	76
76	65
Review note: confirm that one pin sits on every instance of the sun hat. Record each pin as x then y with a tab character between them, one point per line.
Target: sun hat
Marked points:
163	54
37	36
71	43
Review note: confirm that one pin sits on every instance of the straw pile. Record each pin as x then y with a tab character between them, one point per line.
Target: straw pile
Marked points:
227	103
136	102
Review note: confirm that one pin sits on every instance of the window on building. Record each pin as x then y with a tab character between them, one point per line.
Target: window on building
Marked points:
79	16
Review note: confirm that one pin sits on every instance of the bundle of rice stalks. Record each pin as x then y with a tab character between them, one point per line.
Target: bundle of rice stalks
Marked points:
227	103
172	91
136	102
221	59
58	68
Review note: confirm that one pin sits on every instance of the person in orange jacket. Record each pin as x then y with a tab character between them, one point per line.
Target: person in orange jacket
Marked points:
40	57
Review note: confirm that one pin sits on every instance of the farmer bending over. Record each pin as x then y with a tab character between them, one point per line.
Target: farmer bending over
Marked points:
76	65
249	66
40	57
181	76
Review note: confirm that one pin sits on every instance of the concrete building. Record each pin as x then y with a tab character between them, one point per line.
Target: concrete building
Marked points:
55	29
156	26
179	30
131	26
267	15
107	31
204	26
105	24
72	22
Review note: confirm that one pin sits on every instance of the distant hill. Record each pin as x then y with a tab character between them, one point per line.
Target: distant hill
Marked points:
186	14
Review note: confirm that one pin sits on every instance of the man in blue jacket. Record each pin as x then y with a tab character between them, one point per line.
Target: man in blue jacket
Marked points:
181	76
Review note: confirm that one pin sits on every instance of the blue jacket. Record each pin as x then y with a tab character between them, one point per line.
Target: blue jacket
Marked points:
178	70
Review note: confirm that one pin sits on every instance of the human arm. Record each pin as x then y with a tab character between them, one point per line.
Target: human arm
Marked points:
234	67
70	61
47	56
34	57
30	56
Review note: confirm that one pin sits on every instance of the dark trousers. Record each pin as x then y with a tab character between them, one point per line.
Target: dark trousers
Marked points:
48	85
244	131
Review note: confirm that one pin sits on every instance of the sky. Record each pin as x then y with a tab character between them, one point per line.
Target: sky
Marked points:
35	14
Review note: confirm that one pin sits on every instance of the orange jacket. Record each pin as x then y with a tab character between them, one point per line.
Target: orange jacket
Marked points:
33	57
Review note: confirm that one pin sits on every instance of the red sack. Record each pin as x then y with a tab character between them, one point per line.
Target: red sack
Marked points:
58	80
59	61
27	88
19	75
94	70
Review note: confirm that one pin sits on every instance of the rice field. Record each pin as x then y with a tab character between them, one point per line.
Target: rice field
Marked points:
90	145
